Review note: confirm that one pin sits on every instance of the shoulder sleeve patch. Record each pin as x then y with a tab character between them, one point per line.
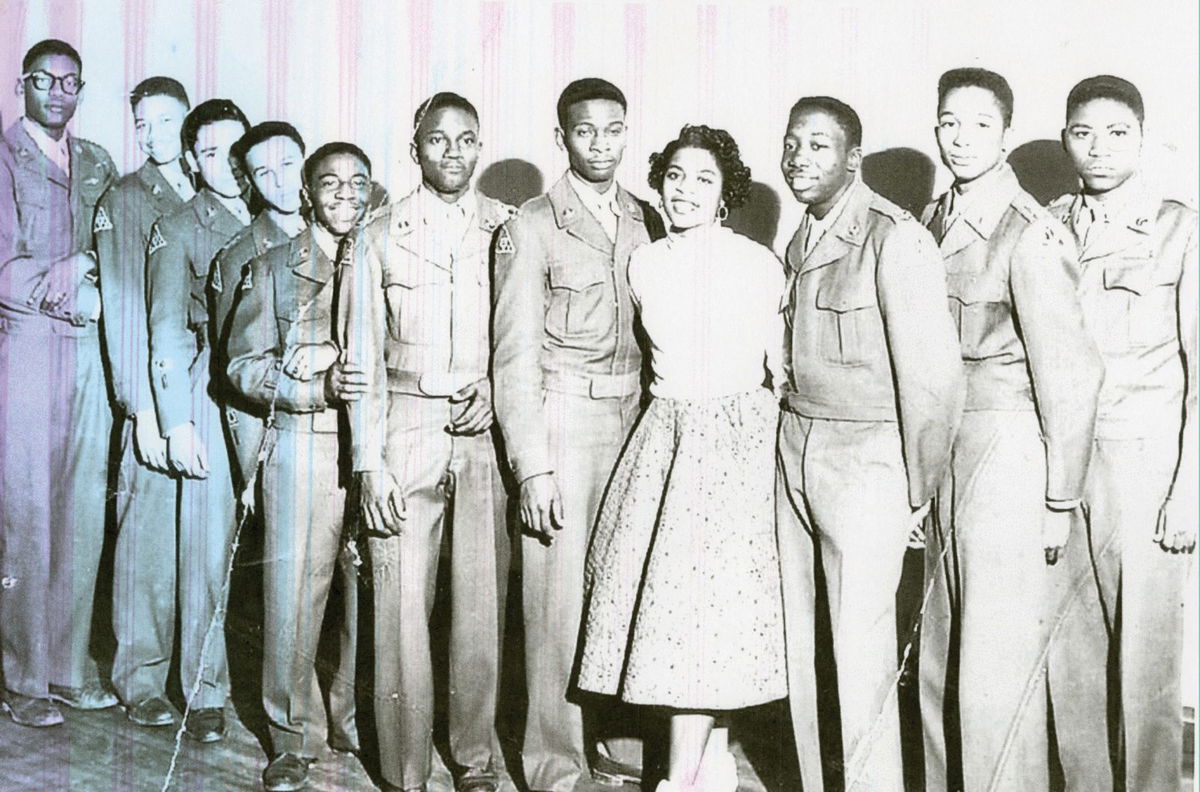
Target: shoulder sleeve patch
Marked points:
504	243
156	241
248	279
217	285
102	222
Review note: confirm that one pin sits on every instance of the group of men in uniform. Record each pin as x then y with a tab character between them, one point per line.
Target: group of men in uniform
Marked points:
1011	386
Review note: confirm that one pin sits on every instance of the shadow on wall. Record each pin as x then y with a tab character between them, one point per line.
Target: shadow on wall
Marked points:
902	175
1043	169
513	181
758	218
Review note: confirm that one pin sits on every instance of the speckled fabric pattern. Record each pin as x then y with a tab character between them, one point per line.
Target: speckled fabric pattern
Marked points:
684	603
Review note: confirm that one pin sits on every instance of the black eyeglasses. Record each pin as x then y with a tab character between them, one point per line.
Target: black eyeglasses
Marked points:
44	81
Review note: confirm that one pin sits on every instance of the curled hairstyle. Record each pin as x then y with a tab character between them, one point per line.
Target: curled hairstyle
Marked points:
585	90
1106	86
735	176
209	112
842	114
329	149
259	133
971	77
158	86
50	47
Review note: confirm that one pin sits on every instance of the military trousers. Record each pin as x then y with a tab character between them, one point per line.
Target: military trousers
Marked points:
985	627
245	433
452	482
842	503
1116	660
586	436
143	575
207	522
304	505
55	424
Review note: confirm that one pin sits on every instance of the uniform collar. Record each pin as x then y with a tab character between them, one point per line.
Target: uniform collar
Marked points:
29	155
982	207
569	207
308	255
848	229
593	200
57	151
156	184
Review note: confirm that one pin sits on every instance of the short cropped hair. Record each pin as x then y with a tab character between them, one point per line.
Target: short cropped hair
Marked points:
735	176
336	147
50	47
972	77
440	101
209	112
257	134
584	90
158	86
838	110
1106	86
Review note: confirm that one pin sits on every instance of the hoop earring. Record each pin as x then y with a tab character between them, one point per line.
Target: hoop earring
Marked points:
722	213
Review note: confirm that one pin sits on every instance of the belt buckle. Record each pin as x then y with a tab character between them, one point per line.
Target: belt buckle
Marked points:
603	388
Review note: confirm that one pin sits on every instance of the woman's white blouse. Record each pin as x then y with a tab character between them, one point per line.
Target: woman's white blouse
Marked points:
709	302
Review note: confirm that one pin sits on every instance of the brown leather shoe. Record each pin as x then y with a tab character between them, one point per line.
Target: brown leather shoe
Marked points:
29	711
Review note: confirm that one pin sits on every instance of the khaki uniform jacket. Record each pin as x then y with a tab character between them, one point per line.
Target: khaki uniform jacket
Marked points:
561	309
868	336
1138	285
180	252
287	299
430	332
1012	279
46	216
127	212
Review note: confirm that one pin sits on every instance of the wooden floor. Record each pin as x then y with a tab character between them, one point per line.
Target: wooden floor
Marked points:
105	752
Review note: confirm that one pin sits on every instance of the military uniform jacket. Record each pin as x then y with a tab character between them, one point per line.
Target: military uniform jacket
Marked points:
561	307
46	216
180	252
1138	286
1009	266
431	334
126	213
287	299
224	279
868	336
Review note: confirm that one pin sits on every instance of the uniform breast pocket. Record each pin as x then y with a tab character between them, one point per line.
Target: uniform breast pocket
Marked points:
1139	304
33	210
849	326
981	309
580	302
416	293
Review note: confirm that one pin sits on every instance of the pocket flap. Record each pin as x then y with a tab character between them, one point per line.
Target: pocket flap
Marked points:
970	288
843	296
1131	276
575	276
409	269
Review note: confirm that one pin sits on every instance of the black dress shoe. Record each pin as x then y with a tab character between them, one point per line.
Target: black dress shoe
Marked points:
154	711
286	773
206	725
612	773
92	696
29	711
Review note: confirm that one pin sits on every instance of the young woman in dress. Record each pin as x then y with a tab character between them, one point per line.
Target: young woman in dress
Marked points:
684	602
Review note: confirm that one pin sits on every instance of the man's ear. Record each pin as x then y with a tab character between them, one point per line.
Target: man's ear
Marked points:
412	152
560	139
19	88
1062	138
1004	141
190	158
854	159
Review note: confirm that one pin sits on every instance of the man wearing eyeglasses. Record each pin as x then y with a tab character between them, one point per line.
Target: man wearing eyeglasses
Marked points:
54	416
